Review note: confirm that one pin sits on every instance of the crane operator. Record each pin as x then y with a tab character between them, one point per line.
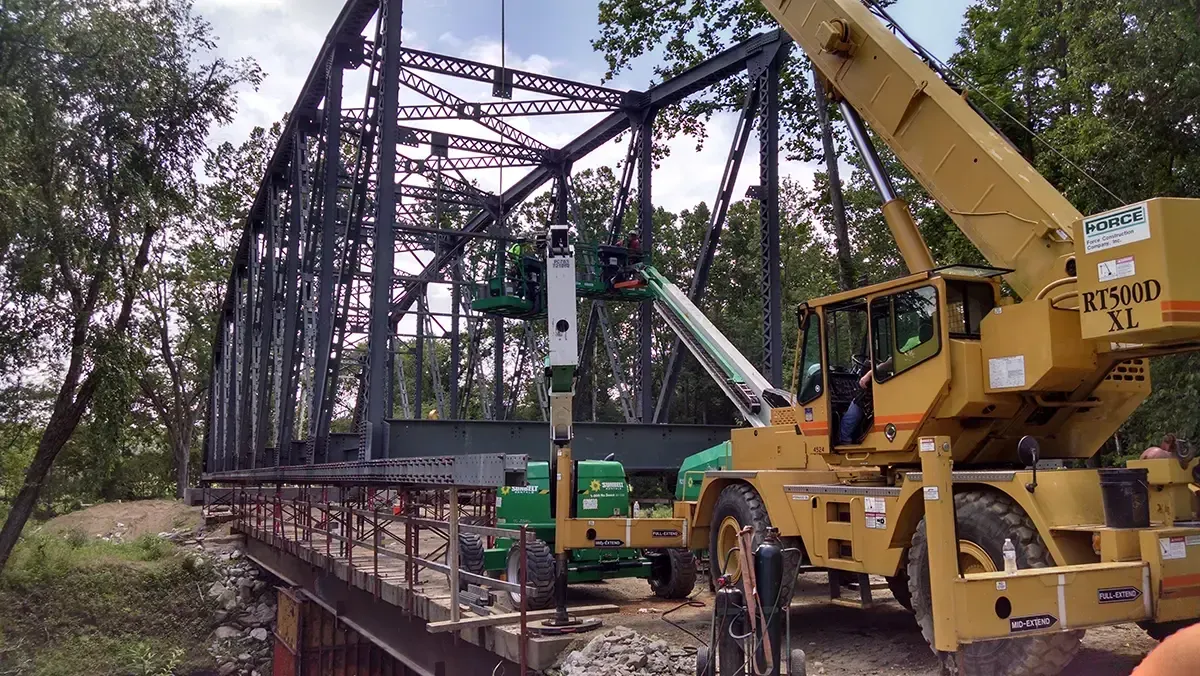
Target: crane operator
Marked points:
848	428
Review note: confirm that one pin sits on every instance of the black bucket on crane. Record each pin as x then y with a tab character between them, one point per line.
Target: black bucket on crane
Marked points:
1126	496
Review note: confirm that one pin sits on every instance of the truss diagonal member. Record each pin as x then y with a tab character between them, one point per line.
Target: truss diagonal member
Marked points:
517	79
480	112
712	237
615	363
449	99
439	141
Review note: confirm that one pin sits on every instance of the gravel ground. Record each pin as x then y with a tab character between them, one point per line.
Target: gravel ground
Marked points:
845	641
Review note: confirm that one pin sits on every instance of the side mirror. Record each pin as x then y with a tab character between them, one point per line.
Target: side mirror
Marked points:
1029	451
802	313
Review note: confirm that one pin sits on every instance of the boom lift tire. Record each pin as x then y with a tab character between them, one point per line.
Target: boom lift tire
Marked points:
740	505
672	573
983	520
539	577
898	584
470	555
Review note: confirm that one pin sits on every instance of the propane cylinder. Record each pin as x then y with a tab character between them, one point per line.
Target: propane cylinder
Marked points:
768	573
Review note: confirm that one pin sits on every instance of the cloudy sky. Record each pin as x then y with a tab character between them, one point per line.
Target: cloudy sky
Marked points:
545	36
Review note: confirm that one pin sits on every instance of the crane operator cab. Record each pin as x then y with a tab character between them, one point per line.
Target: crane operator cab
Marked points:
873	362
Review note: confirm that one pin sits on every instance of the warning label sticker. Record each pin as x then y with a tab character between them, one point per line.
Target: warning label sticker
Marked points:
591	503
931	492
1006	372
876	513
1173	548
1116	269
1192	540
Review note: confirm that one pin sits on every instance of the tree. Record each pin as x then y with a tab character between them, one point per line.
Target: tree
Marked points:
683	33
185	286
112	102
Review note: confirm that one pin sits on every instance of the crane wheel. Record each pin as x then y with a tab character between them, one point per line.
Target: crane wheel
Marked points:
672	573
539	575
740	505
984	519
470	555
898	584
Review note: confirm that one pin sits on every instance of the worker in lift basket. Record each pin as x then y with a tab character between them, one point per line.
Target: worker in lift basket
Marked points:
848	428
513	283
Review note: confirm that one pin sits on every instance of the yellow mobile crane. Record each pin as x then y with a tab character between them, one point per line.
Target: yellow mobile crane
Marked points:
930	478
933	482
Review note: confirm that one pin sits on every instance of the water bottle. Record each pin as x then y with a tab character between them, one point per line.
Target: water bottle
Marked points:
637	508
1010	556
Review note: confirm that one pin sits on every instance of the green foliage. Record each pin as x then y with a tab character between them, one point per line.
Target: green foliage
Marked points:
69	605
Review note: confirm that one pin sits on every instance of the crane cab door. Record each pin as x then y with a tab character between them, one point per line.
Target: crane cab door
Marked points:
833	357
892	341
910	360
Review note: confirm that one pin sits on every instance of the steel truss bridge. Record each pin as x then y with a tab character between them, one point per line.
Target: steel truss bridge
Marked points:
365	207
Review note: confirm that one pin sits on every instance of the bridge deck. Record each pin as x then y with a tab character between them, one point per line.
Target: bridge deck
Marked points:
368	587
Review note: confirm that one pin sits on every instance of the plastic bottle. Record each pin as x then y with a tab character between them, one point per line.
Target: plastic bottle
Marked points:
1010	556
637	508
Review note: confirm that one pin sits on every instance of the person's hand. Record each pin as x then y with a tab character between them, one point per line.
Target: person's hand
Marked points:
1178	655
864	381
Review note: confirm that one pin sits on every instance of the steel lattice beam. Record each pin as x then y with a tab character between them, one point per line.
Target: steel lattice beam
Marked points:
465	163
517	79
411	136
487	111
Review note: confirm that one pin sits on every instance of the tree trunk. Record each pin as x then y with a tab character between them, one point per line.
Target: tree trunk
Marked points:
841	236
182	450
59	429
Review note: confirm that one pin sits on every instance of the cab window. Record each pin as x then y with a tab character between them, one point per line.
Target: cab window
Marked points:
810	360
967	303
904	331
846	333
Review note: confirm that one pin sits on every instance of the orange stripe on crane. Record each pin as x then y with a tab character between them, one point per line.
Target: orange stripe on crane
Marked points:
1185	305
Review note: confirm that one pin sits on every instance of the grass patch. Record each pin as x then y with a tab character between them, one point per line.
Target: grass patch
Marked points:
70	605
656	512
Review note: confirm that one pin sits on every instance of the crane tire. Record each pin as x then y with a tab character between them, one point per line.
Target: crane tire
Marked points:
741	504
898	584
983	520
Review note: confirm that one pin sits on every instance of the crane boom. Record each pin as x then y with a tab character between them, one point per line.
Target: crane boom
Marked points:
1001	203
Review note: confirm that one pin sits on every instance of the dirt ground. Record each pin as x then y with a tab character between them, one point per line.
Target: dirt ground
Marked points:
140	517
846	641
